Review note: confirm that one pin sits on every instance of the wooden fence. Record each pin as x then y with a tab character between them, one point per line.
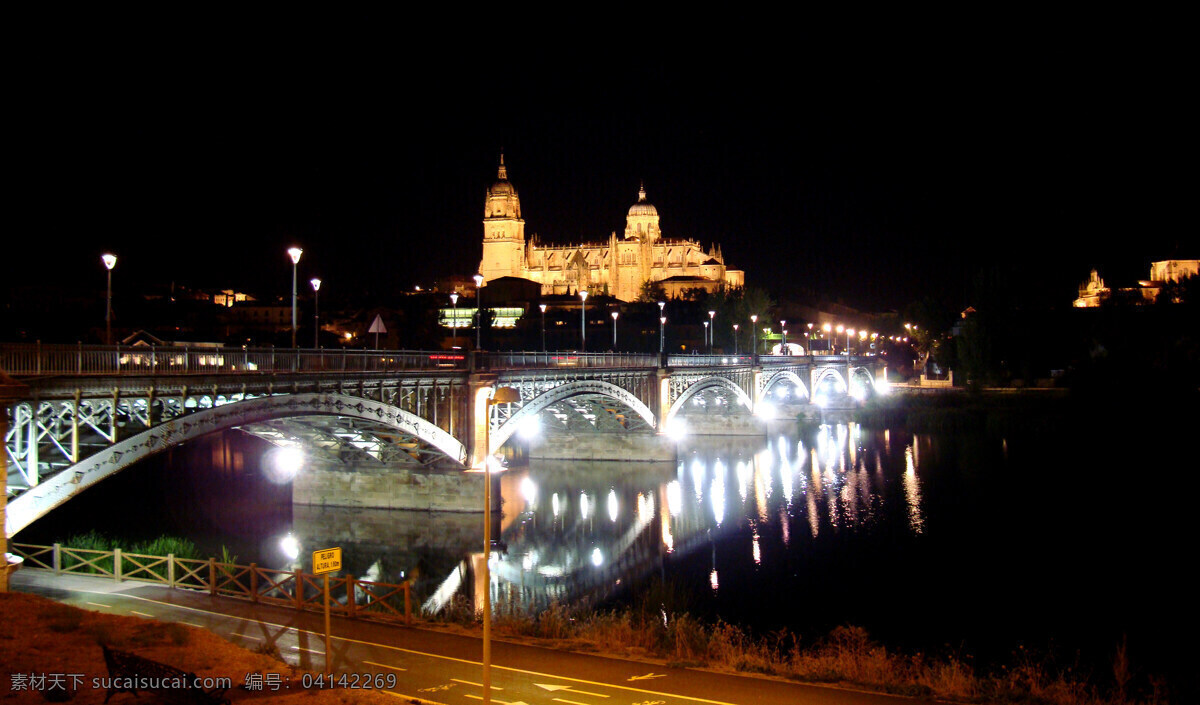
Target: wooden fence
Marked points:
348	596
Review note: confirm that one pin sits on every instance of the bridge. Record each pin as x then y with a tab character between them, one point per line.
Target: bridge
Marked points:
82	413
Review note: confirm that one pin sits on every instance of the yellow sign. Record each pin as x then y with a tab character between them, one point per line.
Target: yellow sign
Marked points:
328	560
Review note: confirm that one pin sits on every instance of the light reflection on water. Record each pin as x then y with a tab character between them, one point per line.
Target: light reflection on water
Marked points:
731	485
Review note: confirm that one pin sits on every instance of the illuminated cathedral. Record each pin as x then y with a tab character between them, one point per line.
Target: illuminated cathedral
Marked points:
619	267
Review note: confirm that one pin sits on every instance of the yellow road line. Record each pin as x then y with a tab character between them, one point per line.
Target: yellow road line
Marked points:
477	685
384	665
572	702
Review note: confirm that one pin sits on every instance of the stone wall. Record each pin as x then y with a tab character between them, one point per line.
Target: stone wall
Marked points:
388	488
602	446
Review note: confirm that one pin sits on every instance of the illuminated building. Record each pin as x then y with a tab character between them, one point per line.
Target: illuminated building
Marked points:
619	267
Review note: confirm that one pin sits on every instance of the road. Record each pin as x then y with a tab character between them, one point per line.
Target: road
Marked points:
434	666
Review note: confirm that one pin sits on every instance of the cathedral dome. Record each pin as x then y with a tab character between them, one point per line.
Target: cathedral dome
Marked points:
642	207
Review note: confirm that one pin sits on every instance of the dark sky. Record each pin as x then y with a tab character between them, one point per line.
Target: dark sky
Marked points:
869	162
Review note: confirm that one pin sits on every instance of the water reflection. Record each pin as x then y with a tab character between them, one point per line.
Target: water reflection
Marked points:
571	530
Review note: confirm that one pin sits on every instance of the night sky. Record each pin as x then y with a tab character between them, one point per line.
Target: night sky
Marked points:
868	162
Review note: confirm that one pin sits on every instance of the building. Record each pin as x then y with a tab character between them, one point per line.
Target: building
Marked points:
1093	291
619	267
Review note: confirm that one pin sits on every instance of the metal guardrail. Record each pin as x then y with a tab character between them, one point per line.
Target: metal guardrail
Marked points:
36	359
549	360
349	596
32	359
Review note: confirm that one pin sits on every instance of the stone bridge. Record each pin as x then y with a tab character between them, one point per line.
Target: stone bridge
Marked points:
78	414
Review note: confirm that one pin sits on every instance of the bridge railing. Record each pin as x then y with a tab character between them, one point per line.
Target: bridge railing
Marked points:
553	360
31	359
708	360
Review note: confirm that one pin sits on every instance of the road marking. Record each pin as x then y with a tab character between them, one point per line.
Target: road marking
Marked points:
96	604
553	688
648	676
384	665
311	651
249	636
142	614
193	624
571	702
477	685
498	702
412	651
410	698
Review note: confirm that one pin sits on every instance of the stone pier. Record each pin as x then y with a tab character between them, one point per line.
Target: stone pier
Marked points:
338	485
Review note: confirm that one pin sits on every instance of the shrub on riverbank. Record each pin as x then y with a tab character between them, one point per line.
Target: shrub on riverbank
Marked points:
847	655
961	413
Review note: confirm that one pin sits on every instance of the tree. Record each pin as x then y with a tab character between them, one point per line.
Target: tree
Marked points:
651	292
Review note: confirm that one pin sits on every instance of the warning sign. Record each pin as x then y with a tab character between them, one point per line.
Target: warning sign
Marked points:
327	560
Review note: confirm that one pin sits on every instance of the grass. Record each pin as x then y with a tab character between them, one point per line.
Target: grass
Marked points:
40	636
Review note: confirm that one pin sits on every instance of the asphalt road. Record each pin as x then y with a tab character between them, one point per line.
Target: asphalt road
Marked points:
434	666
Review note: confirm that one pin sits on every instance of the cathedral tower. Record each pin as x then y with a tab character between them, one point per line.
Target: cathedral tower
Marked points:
642	221
503	230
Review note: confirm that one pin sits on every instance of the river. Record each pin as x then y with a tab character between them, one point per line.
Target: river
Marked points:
1058	542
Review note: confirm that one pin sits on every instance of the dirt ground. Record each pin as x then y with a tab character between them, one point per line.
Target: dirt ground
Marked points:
53	646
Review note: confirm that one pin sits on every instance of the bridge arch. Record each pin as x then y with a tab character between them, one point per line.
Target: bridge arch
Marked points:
831	375
710	383
73	480
554	395
785	376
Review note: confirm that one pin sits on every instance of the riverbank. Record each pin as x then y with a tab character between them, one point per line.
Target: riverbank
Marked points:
846	657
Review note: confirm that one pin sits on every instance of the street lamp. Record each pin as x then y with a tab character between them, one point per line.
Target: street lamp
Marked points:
839	329
543	308
614	315
810	339
294	253
783	339
502	395
316	285
706	337
849	332
712	330
110	261
478	307
735	340
754	332
661	322
827	328
454	320
583	320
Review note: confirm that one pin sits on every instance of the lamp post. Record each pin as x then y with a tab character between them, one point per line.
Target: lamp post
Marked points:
839	329
827	328
316	285
735	340
783	339
478	307
110	261
810	339
662	321
294	253
706	337
712	330
543	308
849	332
454	320
614	315
754	333
583	320
502	395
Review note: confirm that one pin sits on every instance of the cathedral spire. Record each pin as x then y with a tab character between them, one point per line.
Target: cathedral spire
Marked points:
503	173
641	192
